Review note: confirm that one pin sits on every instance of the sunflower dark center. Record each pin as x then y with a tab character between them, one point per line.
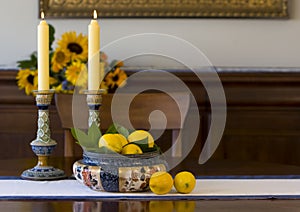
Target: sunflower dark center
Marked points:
75	47
60	57
115	78
30	79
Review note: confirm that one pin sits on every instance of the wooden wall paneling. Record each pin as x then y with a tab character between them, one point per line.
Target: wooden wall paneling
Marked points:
18	115
262	115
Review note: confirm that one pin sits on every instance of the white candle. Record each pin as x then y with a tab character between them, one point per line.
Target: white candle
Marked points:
94	54
43	54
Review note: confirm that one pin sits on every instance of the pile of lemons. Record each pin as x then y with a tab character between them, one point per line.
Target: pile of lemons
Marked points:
162	182
120	144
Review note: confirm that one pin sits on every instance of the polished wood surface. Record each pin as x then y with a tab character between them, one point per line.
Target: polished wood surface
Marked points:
147	206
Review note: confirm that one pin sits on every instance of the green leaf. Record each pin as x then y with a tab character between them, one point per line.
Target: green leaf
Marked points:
87	140
111	129
30	64
81	137
143	144
117	128
94	134
51	36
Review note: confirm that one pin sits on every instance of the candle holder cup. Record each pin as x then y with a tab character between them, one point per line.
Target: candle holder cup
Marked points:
94	101
43	145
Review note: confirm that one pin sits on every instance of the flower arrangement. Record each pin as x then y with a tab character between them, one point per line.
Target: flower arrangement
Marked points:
68	62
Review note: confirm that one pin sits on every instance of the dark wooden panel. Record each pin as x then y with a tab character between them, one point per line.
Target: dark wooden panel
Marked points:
18	115
263	114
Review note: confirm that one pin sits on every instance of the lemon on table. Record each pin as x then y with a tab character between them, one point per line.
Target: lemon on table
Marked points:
111	141
139	135
184	182
161	182
131	149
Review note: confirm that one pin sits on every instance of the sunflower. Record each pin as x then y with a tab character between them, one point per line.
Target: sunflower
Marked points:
59	60
114	79
76	73
28	80
68	60
75	46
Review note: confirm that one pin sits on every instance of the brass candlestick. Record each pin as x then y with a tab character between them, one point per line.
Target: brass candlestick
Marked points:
43	145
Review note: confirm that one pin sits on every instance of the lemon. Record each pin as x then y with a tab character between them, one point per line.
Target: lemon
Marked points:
161	182
131	149
163	206
122	138
111	141
184	182
138	135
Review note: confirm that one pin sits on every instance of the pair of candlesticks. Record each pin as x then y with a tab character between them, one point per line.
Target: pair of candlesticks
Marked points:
43	145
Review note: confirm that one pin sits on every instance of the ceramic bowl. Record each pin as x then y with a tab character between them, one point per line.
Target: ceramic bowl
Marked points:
118	173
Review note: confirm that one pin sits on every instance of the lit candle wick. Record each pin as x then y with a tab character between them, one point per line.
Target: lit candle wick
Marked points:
95	14
42	15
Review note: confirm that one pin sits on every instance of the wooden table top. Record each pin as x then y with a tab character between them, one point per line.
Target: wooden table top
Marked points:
14	167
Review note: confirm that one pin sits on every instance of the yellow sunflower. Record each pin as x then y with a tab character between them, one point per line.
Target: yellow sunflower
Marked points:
28	80
75	46
114	79
59	60
76	73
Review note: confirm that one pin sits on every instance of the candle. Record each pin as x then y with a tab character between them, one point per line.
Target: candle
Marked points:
94	54
43	54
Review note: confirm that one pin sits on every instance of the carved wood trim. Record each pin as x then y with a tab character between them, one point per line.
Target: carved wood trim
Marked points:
165	8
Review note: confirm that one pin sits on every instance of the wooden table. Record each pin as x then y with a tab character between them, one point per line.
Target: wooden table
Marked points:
14	167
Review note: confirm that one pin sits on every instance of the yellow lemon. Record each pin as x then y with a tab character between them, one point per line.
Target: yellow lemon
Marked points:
163	206
184	182
161	182
186	206
122	139
138	135
131	149
111	141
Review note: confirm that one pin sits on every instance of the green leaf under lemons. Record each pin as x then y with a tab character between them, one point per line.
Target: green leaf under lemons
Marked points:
94	134
117	128
143	144
89	140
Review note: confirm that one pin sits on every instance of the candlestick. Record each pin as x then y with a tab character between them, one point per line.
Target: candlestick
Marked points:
43	54
94	54
43	145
